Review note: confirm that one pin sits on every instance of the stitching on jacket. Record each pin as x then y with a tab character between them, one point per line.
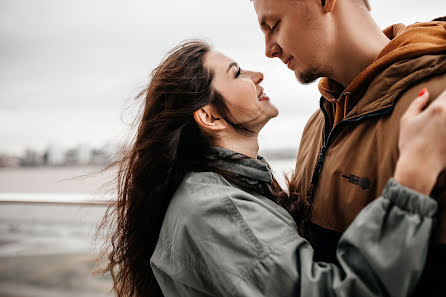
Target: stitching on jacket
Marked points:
249	273
183	284
185	260
263	252
245	228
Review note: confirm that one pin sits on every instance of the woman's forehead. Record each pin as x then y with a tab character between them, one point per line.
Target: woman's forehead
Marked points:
217	61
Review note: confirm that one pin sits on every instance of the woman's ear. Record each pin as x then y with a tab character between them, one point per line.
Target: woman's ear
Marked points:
207	119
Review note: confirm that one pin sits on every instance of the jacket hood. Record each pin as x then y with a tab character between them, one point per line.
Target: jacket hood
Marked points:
407	42
251	170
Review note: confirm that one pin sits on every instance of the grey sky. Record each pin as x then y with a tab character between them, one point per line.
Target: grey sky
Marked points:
68	67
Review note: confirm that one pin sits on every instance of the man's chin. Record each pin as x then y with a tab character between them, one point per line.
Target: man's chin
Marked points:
308	77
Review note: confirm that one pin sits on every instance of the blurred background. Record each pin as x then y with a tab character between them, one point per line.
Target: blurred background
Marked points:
69	72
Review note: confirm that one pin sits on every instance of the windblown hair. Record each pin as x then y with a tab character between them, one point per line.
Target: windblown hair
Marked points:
168	145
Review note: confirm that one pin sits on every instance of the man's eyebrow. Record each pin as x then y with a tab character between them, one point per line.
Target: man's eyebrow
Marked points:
231	65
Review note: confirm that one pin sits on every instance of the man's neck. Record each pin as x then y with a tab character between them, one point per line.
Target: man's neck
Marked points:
359	45
246	145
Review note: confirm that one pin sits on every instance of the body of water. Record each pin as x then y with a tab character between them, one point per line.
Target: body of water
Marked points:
47	226
76	184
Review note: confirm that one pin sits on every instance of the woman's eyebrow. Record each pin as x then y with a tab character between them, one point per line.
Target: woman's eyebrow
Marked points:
231	65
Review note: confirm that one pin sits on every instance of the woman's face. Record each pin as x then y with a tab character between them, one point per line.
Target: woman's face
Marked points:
241	88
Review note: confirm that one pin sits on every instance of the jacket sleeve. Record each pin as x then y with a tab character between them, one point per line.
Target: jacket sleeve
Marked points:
382	253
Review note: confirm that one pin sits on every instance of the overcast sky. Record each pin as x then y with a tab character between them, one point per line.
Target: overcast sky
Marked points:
69	69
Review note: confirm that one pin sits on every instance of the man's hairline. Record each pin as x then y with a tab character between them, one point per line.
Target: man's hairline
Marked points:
366	3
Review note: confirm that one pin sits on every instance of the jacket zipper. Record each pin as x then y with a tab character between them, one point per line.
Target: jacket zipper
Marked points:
327	141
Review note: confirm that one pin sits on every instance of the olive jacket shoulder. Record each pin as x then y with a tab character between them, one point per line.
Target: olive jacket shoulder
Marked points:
218	240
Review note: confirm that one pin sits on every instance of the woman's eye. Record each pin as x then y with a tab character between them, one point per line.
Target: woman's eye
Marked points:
275	26
239	71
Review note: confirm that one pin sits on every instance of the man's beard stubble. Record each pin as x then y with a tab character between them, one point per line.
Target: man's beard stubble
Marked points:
309	76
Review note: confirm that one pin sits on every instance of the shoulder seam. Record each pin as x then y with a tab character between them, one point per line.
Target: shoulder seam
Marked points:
239	218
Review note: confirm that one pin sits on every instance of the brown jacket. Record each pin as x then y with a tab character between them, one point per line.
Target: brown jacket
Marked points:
349	147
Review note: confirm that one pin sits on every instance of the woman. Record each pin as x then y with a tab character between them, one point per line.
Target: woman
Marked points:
200	214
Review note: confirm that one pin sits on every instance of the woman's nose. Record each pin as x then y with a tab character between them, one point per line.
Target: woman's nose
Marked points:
257	77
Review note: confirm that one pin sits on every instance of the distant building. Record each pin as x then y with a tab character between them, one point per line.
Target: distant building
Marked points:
55	156
99	157
9	161
104	155
71	157
84	153
31	158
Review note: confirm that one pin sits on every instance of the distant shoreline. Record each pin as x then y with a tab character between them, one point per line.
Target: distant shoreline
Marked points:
81	185
270	154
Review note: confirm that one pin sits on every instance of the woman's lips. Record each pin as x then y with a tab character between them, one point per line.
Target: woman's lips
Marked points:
263	97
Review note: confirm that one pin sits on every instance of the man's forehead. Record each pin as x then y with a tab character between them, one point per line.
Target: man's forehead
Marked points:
265	9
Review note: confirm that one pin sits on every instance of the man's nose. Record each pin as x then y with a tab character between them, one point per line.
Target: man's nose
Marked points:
272	49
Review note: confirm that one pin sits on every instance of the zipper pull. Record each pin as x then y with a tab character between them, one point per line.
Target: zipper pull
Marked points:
323	150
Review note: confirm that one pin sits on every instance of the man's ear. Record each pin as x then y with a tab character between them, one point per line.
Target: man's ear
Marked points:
207	119
328	5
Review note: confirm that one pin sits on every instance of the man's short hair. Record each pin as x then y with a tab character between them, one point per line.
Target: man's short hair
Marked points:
366	3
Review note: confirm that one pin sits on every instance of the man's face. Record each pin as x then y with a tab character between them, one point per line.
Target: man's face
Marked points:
295	33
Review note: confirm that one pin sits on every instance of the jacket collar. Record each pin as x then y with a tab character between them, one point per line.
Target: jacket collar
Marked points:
252	170
405	52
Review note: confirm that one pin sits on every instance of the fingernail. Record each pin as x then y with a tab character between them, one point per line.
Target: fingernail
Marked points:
423	91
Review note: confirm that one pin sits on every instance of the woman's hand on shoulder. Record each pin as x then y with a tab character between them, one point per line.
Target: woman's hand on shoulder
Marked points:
422	143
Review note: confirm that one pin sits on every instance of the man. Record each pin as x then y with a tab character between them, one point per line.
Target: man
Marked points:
369	77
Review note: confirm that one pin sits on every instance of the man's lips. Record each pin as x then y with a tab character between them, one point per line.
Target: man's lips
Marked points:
288	62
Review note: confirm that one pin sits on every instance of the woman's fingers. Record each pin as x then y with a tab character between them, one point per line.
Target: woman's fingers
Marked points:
417	106
422	143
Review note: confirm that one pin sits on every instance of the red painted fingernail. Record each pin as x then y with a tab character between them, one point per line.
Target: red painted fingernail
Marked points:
423	91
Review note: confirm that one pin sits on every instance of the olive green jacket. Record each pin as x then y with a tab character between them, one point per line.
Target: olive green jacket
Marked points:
218	240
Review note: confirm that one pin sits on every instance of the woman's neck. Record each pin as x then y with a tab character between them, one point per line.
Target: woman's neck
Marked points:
246	145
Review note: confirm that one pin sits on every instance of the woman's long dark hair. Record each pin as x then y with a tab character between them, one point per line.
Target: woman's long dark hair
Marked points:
168	145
